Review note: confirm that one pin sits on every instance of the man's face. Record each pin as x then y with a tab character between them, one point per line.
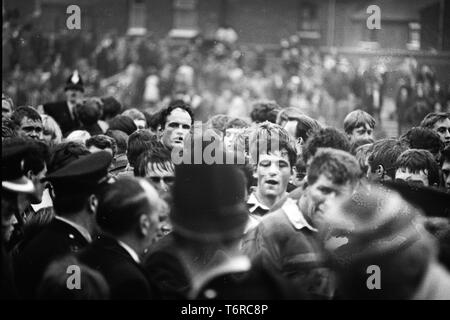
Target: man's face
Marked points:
74	96
443	129
321	195
6	109
273	171
38	186
177	126
362	132
31	129
405	174
446	173
161	177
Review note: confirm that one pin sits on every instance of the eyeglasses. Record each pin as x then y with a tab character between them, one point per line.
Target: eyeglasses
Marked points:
167	180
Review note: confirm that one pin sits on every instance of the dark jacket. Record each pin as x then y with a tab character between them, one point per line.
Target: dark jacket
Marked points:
125	277
257	283
163	266
57	239
61	113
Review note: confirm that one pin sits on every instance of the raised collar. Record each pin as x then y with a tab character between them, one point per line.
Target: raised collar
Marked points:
130	251
77	227
295	216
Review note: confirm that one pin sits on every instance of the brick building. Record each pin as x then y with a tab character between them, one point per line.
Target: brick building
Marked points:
405	24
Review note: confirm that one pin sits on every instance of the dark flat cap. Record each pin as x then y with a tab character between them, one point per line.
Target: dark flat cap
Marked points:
13	178
83	174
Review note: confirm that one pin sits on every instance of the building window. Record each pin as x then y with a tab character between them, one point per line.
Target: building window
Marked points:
414	36
308	17
185	14
137	17
309	27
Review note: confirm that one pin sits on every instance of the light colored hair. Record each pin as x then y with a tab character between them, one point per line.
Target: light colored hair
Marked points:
78	136
50	125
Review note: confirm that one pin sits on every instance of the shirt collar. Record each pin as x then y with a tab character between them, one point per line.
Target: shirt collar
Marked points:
79	228
255	203
130	251
295	216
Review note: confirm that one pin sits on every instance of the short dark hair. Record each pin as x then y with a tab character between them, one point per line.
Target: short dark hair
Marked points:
138	142
64	153
236	123
433	117
385	153
325	138
264	111
120	205
123	123
111	108
134	114
356	119
177	104
358	143
417	160
102	141
339	166
37	156
262	138
306	126
423	138
23	112
121	140
154	120
158	156
218	122
89	112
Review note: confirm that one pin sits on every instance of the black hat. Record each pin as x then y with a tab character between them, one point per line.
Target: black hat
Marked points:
432	201
83	175
209	202
12	169
74	82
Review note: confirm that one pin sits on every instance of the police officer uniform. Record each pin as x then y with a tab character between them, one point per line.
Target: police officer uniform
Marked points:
64	114
13	183
62	236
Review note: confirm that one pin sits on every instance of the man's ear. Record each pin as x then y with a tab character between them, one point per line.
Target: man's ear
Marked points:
380	171
30	174
93	203
144	225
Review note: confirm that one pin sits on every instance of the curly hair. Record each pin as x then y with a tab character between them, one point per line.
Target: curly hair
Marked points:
265	111
325	138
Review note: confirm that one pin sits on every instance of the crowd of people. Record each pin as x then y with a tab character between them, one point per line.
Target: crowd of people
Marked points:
276	205
137	168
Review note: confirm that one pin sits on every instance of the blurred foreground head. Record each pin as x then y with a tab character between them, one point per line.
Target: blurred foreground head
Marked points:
385	234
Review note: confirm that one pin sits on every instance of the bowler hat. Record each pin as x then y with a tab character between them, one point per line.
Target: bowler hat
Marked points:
209	202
